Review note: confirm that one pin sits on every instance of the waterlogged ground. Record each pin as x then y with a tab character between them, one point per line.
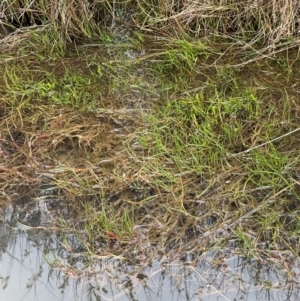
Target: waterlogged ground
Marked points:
36	260
147	169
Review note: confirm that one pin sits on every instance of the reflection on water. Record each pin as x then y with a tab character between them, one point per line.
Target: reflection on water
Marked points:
216	276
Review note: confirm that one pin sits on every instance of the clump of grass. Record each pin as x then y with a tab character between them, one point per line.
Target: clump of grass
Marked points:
269	166
107	222
197	133
27	88
177	62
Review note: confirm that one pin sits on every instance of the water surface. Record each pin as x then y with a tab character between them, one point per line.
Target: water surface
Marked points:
36	265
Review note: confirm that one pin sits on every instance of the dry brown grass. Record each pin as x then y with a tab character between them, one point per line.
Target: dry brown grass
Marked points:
254	22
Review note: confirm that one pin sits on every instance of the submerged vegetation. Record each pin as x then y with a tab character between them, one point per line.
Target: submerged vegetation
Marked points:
163	125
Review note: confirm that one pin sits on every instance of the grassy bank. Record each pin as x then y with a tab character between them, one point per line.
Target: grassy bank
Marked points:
163	127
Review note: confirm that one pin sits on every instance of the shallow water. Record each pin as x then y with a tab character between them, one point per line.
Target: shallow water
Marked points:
218	275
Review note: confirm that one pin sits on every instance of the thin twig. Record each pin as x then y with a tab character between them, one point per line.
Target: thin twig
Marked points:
208	284
263	144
